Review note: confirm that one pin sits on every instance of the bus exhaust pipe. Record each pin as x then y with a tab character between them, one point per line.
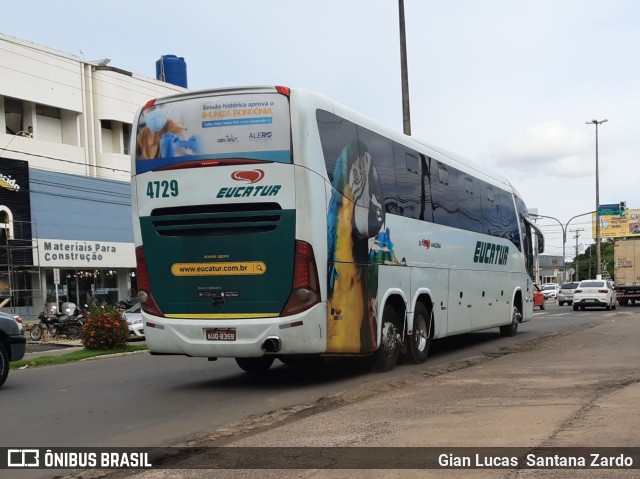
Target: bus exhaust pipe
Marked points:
271	344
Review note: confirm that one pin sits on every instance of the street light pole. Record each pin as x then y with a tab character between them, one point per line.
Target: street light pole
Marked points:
598	260
406	115
564	236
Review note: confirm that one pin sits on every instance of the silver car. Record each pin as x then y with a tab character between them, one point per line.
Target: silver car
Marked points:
565	294
133	316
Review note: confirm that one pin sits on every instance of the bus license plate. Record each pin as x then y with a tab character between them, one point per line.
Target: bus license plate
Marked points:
220	334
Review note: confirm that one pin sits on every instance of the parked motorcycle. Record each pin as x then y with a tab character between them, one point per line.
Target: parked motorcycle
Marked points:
79	315
58	325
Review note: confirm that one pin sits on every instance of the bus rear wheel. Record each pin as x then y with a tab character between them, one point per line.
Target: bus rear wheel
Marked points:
255	365
420	340
386	356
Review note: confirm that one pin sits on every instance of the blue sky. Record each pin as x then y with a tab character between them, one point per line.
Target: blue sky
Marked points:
504	82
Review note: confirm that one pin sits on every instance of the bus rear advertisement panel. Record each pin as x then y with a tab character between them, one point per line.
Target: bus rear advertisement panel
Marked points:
245	125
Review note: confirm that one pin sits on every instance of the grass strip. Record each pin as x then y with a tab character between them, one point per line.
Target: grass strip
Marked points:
74	356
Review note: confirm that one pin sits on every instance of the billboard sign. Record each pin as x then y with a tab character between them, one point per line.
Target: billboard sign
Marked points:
616	226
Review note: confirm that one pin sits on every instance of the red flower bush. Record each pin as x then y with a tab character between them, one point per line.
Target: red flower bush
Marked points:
104	328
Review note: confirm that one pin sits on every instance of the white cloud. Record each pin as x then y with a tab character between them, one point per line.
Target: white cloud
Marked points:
545	148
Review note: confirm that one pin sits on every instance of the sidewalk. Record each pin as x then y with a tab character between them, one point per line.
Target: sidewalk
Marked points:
575	389
50	347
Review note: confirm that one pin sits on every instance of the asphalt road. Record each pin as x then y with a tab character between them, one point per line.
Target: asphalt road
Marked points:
140	400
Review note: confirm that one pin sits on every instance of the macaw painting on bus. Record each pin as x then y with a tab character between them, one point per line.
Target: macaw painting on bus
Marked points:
357	241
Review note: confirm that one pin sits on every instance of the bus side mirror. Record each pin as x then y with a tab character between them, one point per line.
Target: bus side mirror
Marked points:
540	243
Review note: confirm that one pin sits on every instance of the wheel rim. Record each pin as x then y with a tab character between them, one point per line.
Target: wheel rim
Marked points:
421	334
35	333
389	339
517	315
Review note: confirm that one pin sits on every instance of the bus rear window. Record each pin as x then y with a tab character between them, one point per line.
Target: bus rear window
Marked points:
254	127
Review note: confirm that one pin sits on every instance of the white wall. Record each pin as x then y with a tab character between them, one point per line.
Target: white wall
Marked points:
85	94
39	74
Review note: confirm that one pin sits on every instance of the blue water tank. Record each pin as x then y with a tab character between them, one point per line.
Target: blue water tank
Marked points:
172	69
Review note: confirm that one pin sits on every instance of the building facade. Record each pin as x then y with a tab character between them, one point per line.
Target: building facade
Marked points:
550	269
65	206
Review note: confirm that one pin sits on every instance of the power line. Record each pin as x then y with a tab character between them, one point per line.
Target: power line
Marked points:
65	161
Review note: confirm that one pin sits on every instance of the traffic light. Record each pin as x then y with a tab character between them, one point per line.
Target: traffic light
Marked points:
623	208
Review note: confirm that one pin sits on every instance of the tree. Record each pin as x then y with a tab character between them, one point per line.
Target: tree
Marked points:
587	261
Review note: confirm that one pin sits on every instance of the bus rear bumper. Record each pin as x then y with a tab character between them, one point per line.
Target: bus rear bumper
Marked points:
304	333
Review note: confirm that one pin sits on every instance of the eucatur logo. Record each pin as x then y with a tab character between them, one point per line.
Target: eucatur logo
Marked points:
250	176
425	243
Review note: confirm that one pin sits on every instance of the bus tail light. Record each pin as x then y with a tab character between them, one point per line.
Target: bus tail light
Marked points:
149	104
144	285
284	90
306	287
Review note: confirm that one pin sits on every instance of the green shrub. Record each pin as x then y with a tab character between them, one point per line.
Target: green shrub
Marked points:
104	328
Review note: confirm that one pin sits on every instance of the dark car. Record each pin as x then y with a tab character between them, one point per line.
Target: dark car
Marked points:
565	295
13	344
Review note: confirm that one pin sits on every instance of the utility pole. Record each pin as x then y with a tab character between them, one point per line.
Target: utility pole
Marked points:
406	115
577	232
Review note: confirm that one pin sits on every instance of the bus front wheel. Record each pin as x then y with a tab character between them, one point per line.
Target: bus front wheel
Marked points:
420	340
386	356
255	365
511	330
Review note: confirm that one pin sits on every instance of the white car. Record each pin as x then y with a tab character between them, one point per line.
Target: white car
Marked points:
133	316
550	290
594	292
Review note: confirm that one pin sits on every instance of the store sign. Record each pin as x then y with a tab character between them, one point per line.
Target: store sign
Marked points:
16	205
85	254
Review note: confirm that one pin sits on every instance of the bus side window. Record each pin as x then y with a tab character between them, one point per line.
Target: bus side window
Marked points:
490	210
408	182
470	216
508	218
444	195
335	134
381	151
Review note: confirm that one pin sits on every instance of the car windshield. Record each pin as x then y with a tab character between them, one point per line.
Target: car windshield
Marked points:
134	309
592	284
569	286
549	287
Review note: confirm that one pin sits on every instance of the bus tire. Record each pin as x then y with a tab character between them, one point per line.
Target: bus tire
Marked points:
255	365
420	340
386	356
510	330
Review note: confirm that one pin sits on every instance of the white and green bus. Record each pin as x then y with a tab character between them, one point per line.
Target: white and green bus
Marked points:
275	223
